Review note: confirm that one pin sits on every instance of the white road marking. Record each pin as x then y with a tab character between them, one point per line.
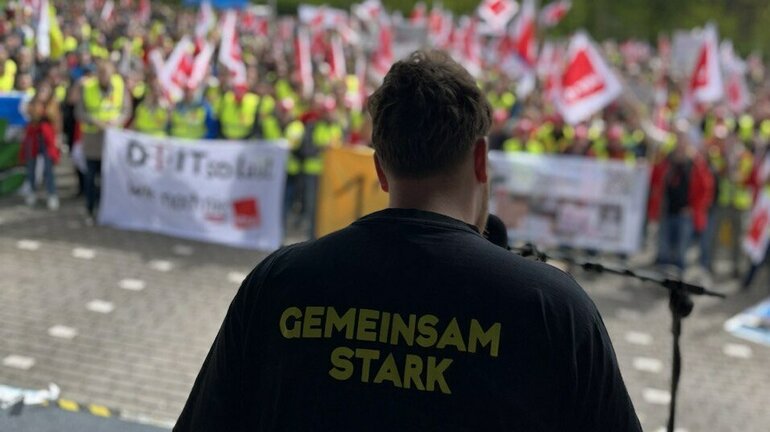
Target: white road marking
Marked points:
656	396
236	277
737	350
83	253
647	364
161	265
18	362
100	306
183	250
64	332
30	245
628	314
132	284
638	338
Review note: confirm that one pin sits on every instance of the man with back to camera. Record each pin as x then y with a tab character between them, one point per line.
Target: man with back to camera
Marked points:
409	319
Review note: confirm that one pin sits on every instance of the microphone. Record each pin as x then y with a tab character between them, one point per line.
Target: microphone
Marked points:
496	232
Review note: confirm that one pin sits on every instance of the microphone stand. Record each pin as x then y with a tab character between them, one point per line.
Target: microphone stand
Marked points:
679	303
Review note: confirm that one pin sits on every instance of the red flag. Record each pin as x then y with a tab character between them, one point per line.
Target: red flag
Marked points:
734	70
440	27
524	34
497	13
383	58
336	58
144	11
706	79
303	62
419	14
587	84
554	12
230	50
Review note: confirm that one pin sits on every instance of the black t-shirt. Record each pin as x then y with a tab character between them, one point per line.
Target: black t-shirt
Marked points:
409	321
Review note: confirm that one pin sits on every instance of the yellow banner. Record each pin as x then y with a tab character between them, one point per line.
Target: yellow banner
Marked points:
348	189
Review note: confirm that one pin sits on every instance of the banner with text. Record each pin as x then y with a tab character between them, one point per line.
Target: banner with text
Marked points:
228	192
348	189
570	201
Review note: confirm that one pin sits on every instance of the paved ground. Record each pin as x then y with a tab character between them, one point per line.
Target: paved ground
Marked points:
124	319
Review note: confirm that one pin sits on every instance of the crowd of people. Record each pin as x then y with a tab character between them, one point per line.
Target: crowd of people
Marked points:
705	174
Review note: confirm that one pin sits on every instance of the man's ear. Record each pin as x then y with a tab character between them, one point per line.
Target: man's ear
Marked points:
480	160
381	174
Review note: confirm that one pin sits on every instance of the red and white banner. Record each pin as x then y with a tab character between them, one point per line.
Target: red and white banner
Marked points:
497	13
232	193
230	50
587	83
554	12
468	45
758	234
705	84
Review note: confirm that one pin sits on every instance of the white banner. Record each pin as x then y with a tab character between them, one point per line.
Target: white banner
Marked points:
584	203
228	192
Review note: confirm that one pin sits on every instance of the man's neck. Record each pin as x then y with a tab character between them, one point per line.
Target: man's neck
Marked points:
434	195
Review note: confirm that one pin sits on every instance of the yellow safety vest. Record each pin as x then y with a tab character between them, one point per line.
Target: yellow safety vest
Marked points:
512	145
8	78
237	119
103	107
324	135
151	120
189	122
293	134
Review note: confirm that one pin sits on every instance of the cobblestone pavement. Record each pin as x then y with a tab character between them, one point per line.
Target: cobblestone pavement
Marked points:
124	319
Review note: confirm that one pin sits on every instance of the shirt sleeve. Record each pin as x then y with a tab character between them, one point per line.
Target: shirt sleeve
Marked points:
599	399
215	402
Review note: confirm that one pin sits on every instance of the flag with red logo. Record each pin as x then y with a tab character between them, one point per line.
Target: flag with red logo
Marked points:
201	65
255	21
524	34
734	72
554	12
549	68
175	71
440	27
144	12
705	83
758	233
368	11
419	14
467	45
336	58
230	50
303	62
42	32
497	13
383	56
587	84
205	21
107	11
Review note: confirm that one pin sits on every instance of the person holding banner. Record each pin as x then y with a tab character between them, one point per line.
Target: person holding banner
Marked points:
103	102
151	117
190	117
409	318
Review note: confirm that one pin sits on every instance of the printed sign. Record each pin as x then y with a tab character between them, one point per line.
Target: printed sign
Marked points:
228	192
348	190
570	201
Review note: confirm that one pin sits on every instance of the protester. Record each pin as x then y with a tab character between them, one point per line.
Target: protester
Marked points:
103	102
40	139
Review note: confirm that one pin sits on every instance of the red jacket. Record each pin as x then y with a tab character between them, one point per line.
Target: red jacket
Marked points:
32	135
700	193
